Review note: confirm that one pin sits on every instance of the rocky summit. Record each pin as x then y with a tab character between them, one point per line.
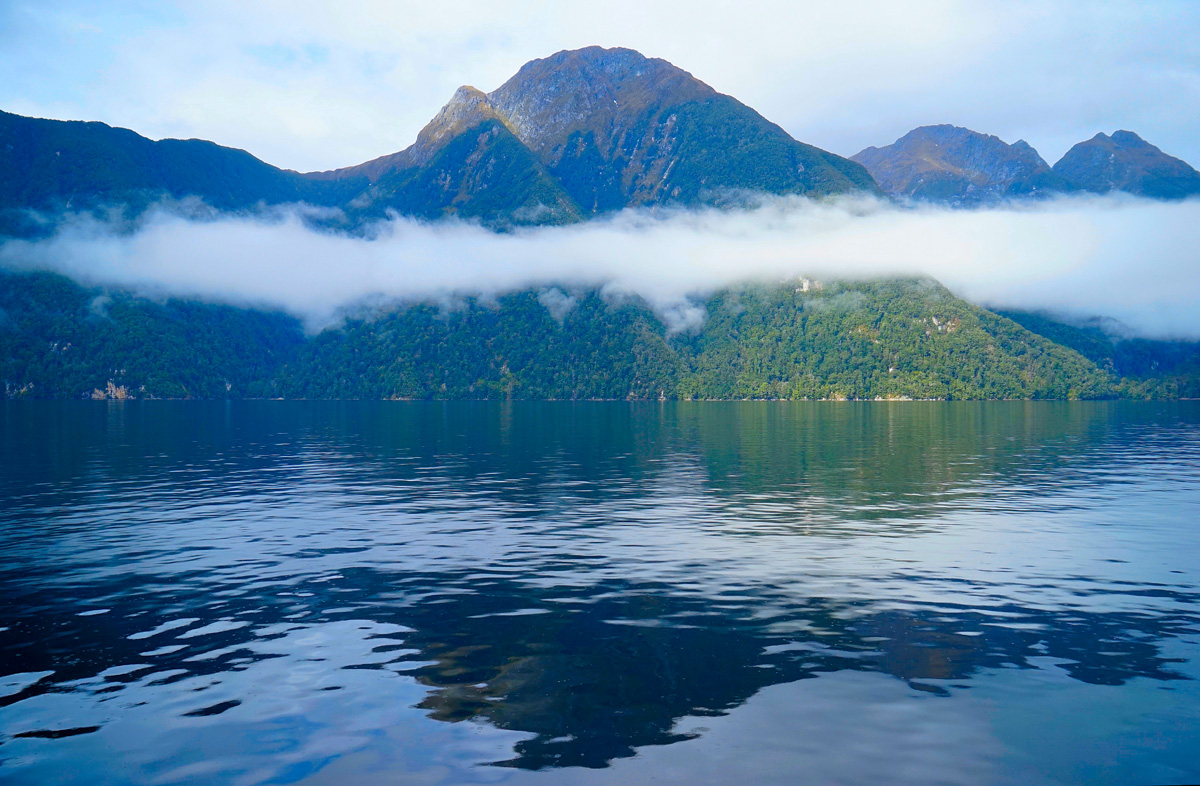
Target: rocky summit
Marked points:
959	166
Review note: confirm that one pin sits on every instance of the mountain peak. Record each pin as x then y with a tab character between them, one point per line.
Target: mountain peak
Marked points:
575	134
466	95
616	128
1126	162
588	89
1129	139
614	59
947	163
468	107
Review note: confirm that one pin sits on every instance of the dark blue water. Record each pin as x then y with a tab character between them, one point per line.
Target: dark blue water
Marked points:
610	593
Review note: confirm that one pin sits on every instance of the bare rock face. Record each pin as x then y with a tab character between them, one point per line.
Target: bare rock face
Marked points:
466	109
593	90
1126	162
957	166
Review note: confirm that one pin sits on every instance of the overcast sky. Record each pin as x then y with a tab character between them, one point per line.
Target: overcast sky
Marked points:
308	85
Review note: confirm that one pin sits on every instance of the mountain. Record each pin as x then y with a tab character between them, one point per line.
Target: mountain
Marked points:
612	129
54	165
858	340
569	136
1126	162
958	166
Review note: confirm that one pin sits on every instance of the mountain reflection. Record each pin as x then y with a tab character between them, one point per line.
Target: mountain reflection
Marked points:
587	575
595	685
603	670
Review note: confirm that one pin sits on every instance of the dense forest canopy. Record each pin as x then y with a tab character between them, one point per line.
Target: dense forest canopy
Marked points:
800	339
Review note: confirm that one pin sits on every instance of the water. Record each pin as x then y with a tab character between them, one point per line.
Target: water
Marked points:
602	593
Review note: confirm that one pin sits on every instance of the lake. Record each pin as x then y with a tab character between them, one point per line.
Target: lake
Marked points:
599	593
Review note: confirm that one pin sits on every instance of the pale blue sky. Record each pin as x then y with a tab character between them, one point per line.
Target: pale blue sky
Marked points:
310	85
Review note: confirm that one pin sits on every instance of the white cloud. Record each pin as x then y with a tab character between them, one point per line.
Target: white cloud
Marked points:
1132	259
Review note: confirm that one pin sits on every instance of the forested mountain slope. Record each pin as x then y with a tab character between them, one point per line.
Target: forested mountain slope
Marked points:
884	339
1148	367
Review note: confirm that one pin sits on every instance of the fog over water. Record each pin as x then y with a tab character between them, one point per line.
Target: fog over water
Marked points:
1131	259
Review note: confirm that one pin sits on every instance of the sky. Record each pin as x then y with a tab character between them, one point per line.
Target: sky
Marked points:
312	86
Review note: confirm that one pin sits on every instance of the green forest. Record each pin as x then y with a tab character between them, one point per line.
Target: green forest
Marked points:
895	338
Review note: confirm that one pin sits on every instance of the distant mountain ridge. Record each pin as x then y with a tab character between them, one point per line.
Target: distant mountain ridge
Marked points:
952	165
1126	162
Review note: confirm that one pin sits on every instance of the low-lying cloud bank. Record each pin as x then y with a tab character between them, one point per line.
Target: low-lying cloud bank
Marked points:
1135	260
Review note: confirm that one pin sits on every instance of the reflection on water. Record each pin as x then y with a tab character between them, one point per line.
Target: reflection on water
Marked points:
446	593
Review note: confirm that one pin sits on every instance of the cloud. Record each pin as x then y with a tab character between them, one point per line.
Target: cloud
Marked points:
557	302
1122	257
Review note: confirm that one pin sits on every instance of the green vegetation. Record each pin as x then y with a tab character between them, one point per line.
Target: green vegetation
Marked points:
510	348
61	340
1148	368
895	338
903	338
724	144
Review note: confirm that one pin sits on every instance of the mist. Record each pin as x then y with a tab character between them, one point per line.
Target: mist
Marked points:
1134	260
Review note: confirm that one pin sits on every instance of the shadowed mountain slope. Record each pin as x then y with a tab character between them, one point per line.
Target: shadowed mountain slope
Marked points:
958	166
1151	367
54	165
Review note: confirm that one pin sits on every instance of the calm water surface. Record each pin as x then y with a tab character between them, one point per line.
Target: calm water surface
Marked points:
604	593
